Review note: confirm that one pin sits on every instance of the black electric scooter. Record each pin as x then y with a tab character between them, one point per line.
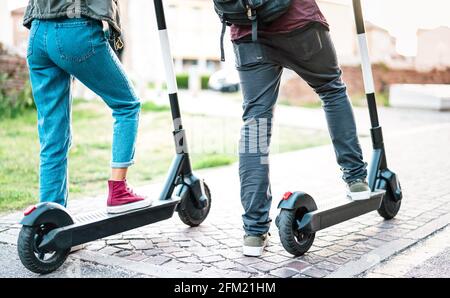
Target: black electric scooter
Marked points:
299	218
49	232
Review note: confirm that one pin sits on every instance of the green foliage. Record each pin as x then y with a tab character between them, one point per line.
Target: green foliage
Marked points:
382	66
14	103
153	86
359	100
204	81
183	81
213	160
150	106
383	99
305	104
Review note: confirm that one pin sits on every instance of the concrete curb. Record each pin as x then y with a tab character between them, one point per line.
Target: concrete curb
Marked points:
382	253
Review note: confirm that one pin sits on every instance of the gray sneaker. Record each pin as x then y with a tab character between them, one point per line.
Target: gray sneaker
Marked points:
358	190
254	245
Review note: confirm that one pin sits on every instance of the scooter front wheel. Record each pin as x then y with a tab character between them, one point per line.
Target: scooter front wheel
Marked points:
35	260
389	206
192	215
295	242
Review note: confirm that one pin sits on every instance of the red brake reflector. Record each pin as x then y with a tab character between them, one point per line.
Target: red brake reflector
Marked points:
287	195
29	210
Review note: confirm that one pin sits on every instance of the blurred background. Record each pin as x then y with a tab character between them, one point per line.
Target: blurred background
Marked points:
409	43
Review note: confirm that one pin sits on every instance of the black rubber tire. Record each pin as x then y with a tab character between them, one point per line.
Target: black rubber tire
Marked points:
191	215
389	207
287	221
26	244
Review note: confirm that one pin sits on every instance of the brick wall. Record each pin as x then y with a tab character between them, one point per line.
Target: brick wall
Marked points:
295	91
16	69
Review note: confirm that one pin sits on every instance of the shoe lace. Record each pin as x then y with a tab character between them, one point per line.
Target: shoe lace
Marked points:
130	190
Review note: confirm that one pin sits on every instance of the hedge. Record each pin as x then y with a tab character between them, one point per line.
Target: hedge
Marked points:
13	103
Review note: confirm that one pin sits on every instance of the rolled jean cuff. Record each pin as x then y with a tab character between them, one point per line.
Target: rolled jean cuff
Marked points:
121	165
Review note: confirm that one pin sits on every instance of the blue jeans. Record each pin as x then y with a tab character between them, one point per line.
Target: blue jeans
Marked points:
311	54
59	50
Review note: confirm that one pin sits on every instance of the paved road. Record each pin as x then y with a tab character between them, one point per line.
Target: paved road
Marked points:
437	267
73	268
429	258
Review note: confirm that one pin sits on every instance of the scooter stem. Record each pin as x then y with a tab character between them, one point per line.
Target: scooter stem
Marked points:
172	88
169	68
366	65
379	162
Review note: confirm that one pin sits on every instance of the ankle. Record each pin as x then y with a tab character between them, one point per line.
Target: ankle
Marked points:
117	180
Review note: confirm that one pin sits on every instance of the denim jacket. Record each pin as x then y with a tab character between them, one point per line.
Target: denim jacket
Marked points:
103	10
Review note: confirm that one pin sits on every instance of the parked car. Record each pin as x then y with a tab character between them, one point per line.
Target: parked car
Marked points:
225	80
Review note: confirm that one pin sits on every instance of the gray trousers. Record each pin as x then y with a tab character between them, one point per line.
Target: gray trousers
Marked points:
311	54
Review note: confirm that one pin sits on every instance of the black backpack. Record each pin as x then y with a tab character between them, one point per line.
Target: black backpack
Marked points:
248	12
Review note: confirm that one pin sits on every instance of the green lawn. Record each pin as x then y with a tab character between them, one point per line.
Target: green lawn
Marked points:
212	142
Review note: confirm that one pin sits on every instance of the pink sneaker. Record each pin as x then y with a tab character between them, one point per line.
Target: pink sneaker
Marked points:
121	198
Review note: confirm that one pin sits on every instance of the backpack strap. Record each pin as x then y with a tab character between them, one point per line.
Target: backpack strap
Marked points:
222	36
251	14
254	30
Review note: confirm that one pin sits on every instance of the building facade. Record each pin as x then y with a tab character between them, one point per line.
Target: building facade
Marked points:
194	31
433	49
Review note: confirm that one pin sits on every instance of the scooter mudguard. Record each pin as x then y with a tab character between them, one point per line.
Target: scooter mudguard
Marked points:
392	182
296	200
47	213
197	188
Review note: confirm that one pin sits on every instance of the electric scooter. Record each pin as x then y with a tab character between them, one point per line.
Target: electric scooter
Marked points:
49	232
299	218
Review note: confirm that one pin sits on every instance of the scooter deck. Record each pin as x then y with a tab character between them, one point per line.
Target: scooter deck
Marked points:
96	225
334	214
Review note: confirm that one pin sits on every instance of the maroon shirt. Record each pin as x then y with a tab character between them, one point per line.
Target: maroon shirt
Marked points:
300	14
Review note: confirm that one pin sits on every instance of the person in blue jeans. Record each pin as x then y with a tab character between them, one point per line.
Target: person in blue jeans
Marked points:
62	47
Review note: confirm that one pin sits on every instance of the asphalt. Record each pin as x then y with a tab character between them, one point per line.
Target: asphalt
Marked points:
428	258
435	267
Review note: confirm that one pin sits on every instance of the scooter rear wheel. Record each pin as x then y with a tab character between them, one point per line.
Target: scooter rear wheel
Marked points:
41	262
190	214
389	207
295	242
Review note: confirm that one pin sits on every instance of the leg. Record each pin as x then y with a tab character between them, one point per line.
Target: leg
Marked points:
119	174
80	48
51	92
260	84
94	63
321	71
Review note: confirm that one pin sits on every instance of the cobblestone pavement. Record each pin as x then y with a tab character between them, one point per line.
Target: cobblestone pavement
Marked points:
72	268
419	156
428	259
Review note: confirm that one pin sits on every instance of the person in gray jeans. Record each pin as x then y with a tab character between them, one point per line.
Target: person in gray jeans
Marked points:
299	41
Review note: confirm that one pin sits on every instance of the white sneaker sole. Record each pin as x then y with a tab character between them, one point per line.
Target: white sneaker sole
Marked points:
129	207
253	251
359	196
